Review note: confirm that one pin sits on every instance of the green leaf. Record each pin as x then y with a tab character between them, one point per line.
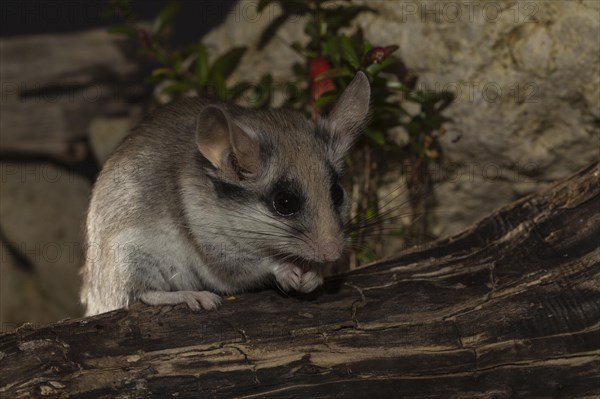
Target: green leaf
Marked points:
161	72
218	82
324	100
358	37
311	28
226	63
332	50
201	65
414	127
161	57
289	9
262	4
349	53
395	85
263	90
377	136
367	46
178	87
374	69
122	30
433	122
322	27
178	64
370	213
269	33
165	17
365	257
334	73
297	47
387	106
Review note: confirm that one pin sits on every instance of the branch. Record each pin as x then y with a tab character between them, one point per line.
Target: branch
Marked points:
509	307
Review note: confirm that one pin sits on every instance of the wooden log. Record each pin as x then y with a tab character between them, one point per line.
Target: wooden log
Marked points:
508	308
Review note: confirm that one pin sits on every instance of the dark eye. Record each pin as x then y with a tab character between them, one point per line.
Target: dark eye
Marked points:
337	195
286	203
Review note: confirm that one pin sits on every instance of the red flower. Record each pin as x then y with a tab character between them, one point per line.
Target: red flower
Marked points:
319	87
378	54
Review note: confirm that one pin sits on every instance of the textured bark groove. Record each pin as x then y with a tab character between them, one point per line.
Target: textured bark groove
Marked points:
508	308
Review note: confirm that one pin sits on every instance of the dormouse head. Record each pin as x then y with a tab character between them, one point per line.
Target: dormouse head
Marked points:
277	175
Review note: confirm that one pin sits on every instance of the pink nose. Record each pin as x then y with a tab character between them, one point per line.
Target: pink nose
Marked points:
330	251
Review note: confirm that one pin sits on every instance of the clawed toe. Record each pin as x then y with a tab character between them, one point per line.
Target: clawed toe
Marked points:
310	281
208	300
290	277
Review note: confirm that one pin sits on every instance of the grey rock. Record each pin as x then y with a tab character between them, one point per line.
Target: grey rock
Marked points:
53	85
42	210
22	299
106	133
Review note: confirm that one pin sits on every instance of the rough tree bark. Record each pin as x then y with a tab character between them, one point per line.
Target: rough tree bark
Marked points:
508	308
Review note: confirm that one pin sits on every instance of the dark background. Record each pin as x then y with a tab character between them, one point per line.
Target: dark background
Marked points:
27	17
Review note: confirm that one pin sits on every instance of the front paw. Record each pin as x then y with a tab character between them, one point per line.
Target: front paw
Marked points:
195	300
310	281
291	278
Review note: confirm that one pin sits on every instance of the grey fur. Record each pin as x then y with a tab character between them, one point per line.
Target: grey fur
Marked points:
166	226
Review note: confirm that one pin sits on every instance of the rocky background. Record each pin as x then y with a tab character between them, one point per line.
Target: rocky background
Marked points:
67	101
526	76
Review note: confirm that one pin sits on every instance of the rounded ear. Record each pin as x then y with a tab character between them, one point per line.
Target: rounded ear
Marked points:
212	135
349	115
225	145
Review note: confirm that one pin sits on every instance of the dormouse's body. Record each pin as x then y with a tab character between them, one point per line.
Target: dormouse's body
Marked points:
206	198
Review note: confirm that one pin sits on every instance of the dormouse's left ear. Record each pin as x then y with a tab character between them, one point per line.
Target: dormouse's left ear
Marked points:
349	115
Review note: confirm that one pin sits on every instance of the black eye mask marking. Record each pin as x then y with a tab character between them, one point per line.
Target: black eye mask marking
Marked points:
224	190
337	195
336	190
228	191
